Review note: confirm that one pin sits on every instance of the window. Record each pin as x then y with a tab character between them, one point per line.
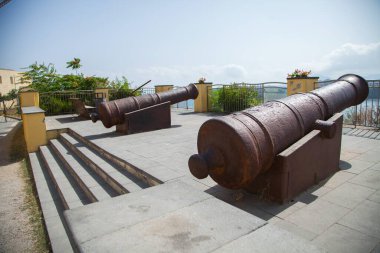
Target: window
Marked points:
12	79
1	80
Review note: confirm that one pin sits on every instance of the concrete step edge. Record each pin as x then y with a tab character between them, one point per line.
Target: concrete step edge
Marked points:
93	159
58	183
74	167
149	179
111	181
58	236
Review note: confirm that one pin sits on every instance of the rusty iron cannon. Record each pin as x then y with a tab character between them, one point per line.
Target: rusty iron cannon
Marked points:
279	148
142	113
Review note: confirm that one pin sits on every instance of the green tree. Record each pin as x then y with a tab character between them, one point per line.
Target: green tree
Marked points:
121	88
10	96
42	77
74	64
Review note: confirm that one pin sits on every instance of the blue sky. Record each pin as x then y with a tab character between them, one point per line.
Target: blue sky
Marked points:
178	41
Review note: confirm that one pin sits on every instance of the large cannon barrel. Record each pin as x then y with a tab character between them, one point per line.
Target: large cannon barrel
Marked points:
112	113
234	149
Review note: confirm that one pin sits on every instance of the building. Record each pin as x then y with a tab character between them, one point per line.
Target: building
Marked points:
10	79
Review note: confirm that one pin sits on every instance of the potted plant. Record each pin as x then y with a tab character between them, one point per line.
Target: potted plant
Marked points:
300	81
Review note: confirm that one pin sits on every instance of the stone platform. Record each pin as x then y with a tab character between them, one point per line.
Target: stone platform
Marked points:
342	214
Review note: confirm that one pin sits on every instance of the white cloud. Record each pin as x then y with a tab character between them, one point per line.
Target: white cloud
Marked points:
361	59
180	75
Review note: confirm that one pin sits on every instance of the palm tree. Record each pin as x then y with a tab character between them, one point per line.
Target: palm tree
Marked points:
74	64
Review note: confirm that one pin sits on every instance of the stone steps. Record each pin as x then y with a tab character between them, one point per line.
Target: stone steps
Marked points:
51	207
110	158
70	196
120	180
69	173
91	187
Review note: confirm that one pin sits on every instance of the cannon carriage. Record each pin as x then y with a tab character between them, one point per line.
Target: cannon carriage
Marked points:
282	147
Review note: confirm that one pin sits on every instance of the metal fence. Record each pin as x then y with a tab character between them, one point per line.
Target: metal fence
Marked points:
225	98
239	96
54	103
365	114
118	94
59	102
187	104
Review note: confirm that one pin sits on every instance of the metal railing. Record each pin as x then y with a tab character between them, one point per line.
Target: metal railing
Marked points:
187	104
118	94
58	102
365	114
239	96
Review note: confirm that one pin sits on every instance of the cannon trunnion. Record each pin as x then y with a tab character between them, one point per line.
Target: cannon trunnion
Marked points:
281	147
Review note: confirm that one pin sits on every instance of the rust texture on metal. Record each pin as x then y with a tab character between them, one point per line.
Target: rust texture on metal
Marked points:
235	149
112	113
147	119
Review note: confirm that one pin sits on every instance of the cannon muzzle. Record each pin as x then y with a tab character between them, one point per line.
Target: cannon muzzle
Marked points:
235	149
112	113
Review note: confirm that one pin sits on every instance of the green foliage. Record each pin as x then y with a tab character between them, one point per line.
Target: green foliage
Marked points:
92	82
120	84
74	64
121	89
55	105
44	78
234	97
12	94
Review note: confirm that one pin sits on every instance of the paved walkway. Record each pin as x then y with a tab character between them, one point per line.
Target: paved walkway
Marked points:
341	214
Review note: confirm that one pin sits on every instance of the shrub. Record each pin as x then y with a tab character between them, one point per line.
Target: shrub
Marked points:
235	97
56	105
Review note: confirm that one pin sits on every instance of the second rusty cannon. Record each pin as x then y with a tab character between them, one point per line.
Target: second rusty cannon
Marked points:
141	113
259	148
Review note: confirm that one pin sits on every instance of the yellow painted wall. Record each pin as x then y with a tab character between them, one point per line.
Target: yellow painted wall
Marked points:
295	85
105	92
201	102
162	88
34	130
29	98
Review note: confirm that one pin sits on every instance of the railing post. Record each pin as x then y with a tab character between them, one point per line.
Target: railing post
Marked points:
104	91
29	98
300	84
200	103
162	88
33	120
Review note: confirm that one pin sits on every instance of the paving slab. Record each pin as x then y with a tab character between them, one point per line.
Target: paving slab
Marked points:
327	213
111	215
368	178
201	227
348	195
376	249
346	156
376	166
294	229
270	238
370	156
364	218
355	166
341	239
337	179
375	197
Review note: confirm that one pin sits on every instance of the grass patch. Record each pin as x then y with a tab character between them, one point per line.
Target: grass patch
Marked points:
41	241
